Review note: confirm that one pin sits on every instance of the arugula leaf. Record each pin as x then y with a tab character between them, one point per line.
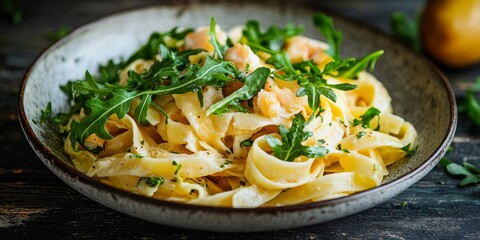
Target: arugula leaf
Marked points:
354	67
290	147
365	119
58	33
410	151
471	104
312	83
272	39
406	29
471	173
142	109
218	48
111	71
99	112
334	38
253	83
46	114
11	9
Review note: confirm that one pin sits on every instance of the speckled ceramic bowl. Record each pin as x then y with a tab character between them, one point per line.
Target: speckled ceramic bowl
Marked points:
420	93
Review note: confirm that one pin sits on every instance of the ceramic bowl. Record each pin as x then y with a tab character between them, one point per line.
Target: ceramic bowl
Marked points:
420	93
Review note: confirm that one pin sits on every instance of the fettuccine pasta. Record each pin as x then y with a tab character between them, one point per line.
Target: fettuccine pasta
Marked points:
182	152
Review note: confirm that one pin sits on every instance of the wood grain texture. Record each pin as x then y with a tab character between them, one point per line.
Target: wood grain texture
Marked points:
35	204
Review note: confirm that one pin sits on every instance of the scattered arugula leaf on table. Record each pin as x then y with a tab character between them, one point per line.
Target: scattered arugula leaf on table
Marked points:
290	146
12	11
471	105
470	173
406	29
58	33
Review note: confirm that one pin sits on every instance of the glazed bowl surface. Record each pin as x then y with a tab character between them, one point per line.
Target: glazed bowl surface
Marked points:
420	94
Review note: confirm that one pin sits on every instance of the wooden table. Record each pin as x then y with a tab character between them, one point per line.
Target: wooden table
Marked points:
36	204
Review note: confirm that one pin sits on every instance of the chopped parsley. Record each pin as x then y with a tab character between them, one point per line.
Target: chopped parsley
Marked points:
226	163
246	143
339	147
135	155
151	181
361	134
178	166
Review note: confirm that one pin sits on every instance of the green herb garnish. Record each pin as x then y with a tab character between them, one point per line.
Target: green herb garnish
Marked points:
361	134
252	84
219	49
410	151
246	143
339	147
105	102
290	146
151	181
178	166
368	116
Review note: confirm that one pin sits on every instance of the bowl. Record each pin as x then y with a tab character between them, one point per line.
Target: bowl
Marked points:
420	93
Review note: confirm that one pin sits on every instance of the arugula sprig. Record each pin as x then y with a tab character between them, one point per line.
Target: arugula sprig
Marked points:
309	76
290	146
253	83
272	39
98	110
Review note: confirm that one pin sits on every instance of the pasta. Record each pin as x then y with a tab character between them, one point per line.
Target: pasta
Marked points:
179	150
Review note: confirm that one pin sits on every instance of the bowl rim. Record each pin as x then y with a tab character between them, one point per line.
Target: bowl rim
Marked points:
67	169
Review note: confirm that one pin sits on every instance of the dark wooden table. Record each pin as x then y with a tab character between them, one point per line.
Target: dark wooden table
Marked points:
36	204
